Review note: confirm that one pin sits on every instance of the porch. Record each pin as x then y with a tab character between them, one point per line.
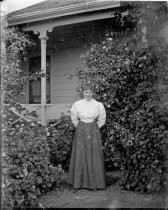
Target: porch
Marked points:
60	42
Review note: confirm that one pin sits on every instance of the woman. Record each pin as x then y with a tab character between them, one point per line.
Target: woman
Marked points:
87	161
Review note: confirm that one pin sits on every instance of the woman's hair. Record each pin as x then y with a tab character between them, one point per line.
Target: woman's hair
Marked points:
88	86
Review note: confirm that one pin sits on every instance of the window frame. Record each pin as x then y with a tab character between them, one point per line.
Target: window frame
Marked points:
38	54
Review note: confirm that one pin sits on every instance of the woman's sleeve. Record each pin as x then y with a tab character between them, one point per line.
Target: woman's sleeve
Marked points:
101	116
74	115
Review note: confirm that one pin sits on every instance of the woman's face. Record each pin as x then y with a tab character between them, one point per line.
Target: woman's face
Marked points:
88	94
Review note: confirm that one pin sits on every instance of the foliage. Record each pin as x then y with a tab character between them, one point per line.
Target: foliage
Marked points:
130	79
26	165
60	138
145	18
13	48
26	169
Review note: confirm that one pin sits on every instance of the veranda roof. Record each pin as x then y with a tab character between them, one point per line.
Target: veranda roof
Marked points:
58	8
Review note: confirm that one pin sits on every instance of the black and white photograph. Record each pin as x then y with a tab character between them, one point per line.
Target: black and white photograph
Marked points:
84	104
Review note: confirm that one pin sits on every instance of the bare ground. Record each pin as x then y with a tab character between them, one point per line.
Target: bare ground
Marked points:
112	197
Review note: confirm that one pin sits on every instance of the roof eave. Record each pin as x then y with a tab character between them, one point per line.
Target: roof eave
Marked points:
62	11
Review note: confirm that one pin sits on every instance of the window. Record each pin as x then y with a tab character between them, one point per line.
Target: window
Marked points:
35	86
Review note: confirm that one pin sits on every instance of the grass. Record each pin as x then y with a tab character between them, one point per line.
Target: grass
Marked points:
112	197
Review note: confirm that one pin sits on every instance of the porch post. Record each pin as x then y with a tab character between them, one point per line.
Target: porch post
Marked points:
144	31
43	79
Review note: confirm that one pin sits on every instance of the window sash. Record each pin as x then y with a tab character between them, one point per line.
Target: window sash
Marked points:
35	85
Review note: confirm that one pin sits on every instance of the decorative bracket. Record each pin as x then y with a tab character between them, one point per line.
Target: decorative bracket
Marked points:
40	29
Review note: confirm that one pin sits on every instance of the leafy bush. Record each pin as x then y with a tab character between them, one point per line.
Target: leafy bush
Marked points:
60	139
130	79
27	171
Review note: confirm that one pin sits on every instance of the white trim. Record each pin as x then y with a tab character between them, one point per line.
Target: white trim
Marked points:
66	105
51	77
45	25
63	11
38	54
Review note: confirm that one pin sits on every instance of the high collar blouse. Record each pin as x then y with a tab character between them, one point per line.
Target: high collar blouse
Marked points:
88	111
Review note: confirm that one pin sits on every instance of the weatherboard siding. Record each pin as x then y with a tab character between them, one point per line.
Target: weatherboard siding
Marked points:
62	90
65	62
53	111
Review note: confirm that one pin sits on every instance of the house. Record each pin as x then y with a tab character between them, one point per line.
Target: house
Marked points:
63	30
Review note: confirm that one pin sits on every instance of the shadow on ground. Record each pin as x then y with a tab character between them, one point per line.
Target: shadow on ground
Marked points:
112	197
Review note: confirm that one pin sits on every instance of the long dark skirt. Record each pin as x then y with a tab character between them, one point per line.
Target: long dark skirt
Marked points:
86	168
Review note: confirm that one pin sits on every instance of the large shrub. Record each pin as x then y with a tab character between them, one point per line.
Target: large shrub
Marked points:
130	79
26	166
130	72
60	139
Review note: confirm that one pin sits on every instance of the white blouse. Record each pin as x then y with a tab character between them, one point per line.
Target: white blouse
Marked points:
88	111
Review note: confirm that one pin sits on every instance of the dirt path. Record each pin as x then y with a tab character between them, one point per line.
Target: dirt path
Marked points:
112	197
